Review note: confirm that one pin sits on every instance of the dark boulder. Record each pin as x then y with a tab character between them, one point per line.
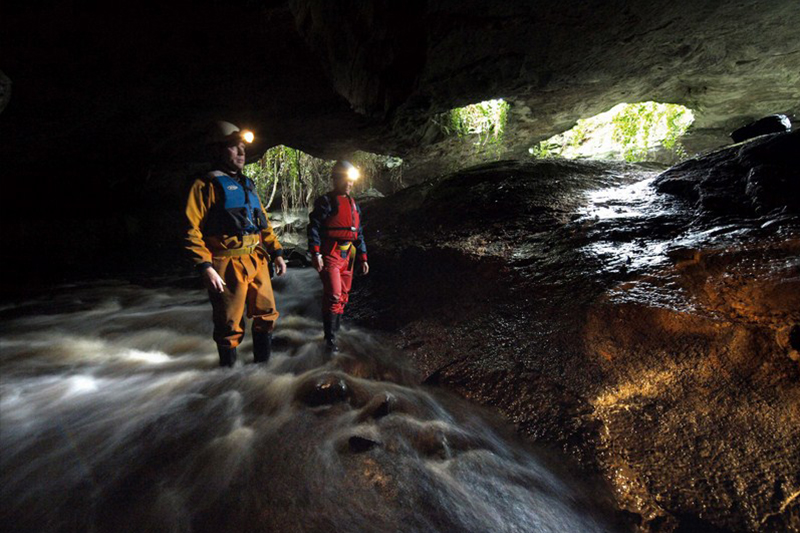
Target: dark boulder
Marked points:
754	178
764	126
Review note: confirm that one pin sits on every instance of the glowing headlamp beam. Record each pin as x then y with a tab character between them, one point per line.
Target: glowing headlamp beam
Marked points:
353	174
248	136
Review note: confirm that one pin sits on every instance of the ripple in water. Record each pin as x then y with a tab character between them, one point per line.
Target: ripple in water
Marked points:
115	417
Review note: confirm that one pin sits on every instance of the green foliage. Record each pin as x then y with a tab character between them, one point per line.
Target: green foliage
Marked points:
486	120
627	131
545	150
294	178
677	124
635	127
579	133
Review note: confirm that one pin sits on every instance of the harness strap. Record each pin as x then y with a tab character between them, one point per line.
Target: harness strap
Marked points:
236	252
340	228
249	244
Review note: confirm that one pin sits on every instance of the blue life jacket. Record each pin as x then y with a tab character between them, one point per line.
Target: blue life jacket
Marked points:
237	210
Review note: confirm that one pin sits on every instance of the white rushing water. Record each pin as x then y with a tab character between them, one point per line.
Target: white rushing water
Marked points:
115	417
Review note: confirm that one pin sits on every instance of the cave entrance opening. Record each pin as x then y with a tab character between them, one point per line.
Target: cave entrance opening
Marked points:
484	121
642	131
289	179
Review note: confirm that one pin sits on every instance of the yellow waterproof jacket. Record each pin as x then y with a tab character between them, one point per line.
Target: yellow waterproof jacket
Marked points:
202	247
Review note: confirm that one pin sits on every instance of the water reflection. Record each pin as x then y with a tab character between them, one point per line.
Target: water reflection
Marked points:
627	224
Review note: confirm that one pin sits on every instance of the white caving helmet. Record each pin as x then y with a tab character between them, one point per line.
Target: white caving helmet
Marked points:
223	132
345	169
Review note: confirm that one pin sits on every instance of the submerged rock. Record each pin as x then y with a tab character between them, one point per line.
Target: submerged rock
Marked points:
650	341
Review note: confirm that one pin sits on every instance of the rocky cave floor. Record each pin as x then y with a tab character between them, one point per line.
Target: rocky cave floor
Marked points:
645	322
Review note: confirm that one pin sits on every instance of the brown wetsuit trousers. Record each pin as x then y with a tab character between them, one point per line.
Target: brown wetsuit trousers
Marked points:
247	288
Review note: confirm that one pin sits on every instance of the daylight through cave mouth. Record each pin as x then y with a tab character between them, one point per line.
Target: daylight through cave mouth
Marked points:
643	131
289	179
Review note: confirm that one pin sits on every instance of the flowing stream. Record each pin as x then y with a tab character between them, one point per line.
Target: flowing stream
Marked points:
115	417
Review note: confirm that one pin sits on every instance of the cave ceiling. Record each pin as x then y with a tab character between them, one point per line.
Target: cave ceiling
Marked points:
135	83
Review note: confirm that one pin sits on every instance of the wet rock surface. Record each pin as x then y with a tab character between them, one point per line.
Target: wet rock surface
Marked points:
753	177
646	334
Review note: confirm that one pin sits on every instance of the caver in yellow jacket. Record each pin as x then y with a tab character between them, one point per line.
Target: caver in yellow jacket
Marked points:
214	219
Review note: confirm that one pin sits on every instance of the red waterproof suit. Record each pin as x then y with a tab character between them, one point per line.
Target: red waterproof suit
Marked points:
335	231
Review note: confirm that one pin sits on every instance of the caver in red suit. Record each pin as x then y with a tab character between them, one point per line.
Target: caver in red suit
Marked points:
336	240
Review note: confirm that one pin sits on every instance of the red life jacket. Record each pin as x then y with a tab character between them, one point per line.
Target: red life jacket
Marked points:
343	224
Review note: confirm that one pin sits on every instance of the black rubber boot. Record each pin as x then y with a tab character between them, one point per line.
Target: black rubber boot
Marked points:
262	347
227	355
329	323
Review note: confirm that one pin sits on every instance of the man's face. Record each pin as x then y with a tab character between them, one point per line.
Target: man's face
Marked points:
342	185
233	155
